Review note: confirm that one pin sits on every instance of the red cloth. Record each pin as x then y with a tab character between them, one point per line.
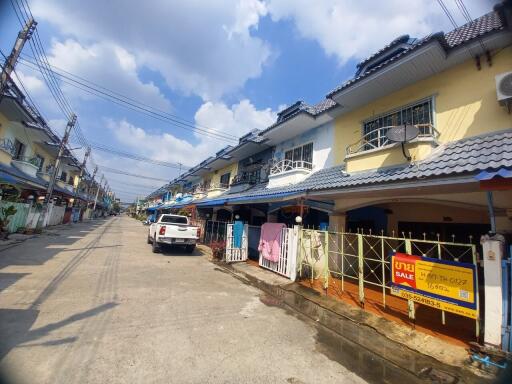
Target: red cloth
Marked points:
270	241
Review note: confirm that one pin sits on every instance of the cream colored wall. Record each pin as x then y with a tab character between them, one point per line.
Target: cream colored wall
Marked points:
465	106
231	168
48	158
432	213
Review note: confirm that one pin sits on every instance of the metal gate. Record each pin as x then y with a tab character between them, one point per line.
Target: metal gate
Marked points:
339	258
287	263
234	254
214	231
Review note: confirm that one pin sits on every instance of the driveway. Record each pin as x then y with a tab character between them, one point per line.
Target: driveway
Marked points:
92	304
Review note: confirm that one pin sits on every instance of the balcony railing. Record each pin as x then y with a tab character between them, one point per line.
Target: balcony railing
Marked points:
378	139
216	186
8	146
35	161
246	179
288	165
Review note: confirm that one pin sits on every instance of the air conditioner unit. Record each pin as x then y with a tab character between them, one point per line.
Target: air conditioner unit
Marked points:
504	88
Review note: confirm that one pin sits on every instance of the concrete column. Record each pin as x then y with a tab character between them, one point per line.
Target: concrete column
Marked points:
272	218
492	255
337	221
504	222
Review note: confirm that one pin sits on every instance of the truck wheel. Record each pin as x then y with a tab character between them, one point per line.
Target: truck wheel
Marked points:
155	247
190	248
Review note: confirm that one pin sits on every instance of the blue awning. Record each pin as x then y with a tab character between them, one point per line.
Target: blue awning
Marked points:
504	173
7	179
267	197
212	203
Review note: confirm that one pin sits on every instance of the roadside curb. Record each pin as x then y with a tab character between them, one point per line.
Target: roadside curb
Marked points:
355	323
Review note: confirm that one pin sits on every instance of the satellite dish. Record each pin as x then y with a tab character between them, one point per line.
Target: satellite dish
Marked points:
402	133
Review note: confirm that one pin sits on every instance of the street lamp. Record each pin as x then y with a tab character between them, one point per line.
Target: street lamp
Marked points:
298	220
237	217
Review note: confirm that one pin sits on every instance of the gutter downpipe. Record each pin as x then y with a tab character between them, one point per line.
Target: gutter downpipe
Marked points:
490	206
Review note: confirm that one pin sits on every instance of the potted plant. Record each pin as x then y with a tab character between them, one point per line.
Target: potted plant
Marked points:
218	249
5	214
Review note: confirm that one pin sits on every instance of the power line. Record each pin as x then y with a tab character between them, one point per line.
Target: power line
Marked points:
134	106
120	172
181	120
132	156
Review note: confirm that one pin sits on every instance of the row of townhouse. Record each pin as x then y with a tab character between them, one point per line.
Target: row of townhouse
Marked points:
28	152
335	165
335	159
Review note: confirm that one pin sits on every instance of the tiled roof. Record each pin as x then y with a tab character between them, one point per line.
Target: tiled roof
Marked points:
475	28
404	39
466	156
312	110
481	26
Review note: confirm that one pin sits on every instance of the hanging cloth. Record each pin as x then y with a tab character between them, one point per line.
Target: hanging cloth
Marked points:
238	231
270	241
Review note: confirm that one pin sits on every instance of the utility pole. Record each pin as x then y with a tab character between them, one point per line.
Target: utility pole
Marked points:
24	35
97	191
82	170
90	185
62	147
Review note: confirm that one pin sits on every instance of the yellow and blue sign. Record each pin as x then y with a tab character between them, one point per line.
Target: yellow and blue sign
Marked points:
446	285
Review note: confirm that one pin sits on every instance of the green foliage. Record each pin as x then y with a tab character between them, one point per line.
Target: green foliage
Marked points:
5	214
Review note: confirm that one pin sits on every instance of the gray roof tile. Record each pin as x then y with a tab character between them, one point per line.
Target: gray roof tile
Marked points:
481	26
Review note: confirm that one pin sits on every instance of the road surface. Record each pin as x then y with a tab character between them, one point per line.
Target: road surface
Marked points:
90	303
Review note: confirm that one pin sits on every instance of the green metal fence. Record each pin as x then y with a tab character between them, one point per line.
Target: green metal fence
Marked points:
19	219
365	260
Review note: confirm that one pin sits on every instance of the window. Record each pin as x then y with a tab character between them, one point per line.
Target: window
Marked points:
174	219
374	130
63	176
301	154
19	149
40	161
224	179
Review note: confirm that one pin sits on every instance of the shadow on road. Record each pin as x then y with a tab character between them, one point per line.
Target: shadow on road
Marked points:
15	327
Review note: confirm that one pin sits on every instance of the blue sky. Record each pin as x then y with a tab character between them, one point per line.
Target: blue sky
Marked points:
228	66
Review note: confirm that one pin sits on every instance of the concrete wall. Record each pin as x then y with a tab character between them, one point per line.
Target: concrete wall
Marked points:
465	105
322	138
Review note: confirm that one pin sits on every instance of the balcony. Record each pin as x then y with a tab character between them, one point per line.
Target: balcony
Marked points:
283	166
246	178
28	165
286	172
7	145
377	139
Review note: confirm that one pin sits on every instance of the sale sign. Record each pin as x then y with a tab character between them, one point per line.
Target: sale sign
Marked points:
445	285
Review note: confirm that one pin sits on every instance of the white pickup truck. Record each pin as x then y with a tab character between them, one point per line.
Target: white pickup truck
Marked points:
173	230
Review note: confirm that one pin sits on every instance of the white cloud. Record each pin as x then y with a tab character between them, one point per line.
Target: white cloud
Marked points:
238	119
235	120
110	65
200	47
355	29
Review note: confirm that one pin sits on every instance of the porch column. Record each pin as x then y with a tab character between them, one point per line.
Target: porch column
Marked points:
504	222
337	221
493	253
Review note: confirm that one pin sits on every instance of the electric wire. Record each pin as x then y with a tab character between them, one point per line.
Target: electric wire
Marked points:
121	172
59	71
163	117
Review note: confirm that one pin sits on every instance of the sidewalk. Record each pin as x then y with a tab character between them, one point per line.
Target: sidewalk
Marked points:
409	349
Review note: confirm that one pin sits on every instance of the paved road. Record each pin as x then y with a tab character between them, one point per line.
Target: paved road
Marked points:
92	304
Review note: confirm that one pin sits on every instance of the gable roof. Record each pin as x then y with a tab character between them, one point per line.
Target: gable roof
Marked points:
466	156
486	24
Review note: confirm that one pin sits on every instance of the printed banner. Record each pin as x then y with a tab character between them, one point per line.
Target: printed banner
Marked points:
446	285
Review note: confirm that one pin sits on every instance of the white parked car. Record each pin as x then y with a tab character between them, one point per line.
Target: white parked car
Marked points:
173	230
